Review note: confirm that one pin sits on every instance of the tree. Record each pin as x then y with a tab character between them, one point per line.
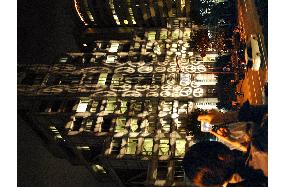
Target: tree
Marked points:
200	41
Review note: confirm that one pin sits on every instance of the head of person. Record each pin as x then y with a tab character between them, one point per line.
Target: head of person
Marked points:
209	163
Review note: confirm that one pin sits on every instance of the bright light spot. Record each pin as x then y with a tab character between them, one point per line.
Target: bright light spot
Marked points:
98	169
82	107
77	7
85	45
125	22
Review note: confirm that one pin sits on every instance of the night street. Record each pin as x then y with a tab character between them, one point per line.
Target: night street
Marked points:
109	93
253	84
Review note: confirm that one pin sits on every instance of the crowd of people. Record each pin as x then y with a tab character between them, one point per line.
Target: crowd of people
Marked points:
239	158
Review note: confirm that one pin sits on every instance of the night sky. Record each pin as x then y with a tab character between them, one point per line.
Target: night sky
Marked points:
44	32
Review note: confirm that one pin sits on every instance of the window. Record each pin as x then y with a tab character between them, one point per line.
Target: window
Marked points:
116	79
178	171
116	145
152	123
162	170
53	79
71	79
111	105
55	132
163	35
151	35
63	59
77	124
131	146
182	108
89	123
94	106
122	108
147	146
136	106
55	106
43	107
180	147
82	106
134	125
69	105
91	79
166	124
120	124
111	59
126	47
109	78
102	79
158	79
107	123
164	146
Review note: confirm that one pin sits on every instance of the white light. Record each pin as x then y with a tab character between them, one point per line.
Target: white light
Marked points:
82	107
174	115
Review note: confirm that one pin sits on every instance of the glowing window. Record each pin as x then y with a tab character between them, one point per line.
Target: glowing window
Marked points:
102	79
111	105
164	147
82	106
131	146
163	35
123	107
182	110
110	59
151	35
180	148
114	47
120	124
133	124
166	124
147	146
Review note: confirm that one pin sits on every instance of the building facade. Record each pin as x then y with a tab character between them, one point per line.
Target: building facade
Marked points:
122	110
133	13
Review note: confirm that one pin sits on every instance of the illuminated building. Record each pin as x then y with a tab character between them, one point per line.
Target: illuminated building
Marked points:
122	110
139	13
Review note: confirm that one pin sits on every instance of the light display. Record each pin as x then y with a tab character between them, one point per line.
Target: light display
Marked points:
143	101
